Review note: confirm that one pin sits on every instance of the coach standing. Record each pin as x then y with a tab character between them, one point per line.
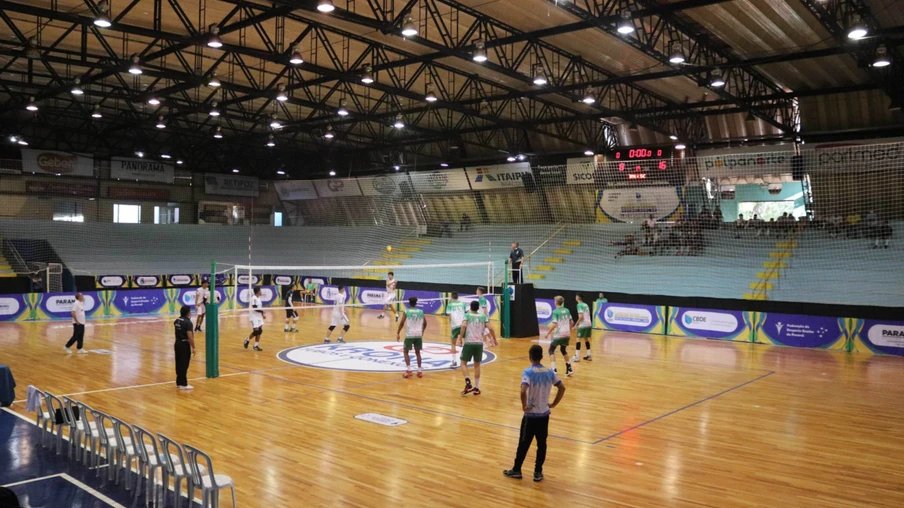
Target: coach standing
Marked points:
184	347
536	383
78	324
516	257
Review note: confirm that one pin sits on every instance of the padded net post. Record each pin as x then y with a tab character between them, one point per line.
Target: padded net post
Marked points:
211	326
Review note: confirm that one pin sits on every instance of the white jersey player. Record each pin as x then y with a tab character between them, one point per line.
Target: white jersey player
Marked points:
202	298
391	283
257	320
339	317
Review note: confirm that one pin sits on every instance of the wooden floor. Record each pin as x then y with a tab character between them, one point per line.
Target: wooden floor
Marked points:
650	422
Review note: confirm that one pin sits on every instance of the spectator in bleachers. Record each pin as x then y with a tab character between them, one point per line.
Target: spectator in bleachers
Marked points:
883	232
740	225
718	219
649	224
465	224
758	224
445	228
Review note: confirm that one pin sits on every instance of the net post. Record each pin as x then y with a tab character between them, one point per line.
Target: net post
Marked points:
211	327
506	305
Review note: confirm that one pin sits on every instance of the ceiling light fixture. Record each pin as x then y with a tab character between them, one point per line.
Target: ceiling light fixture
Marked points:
165	156
280	172
397	168
281	94
342	111
332	173
274	122
368	76
717	80
213	109
325	6
139	154
135	68
102	20
218	134
673	137
95	113
31	106
626	23
511	158
235	170
214	40
480	52
214	80
153	101
430	97
161	123
443	165
409	29
588	152
22	142
296	58
676	53
179	162
521	156
270	141
588	97
680	146
76	87
399	122
882	59
329	132
857	30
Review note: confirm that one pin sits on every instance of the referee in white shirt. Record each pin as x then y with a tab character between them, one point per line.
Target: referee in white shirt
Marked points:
78	324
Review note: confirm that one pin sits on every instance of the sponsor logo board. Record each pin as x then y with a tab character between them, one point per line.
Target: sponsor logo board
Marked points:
9	306
63	303
628	316
710	321
371	356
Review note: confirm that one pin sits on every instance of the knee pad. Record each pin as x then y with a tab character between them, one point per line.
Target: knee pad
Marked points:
345	328
563	350
552	350
332	328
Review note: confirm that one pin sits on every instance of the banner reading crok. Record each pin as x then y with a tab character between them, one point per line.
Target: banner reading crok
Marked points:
710	323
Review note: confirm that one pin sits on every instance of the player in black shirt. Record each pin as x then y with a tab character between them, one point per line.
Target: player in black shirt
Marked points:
289	298
184	347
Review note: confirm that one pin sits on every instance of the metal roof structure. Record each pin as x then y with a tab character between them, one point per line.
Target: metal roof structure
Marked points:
559	77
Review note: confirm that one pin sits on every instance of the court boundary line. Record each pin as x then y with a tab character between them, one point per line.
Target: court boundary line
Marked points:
81	485
692	404
409	406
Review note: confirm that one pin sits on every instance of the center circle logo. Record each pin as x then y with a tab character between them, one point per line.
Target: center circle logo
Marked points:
371	356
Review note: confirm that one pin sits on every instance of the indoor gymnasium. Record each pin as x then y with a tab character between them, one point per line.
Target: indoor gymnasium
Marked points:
469	253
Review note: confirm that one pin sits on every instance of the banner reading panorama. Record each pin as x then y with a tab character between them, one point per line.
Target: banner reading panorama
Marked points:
57	163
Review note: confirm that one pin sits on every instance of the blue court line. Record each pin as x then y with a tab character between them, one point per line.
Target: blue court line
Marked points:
416	408
639	425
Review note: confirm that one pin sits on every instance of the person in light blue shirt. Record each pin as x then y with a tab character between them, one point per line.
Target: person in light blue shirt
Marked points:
536	383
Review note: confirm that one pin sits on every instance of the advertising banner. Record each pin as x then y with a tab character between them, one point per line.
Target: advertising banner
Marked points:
638	203
222	279
628	317
550	175
752	161
545	307
138	193
444	180
385	185
801	331
428	301
326	294
580	174
139	301
243	279
231	185
853	156
492	301
12	307
710	324
141	169
50	162
295	190
269	296
373	298
79	190
59	305
181	280
878	336
283	280
111	281
187	297
337	187
503	176
147	281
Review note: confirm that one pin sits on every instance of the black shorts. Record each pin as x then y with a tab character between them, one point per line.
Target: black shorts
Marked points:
309	298
291	313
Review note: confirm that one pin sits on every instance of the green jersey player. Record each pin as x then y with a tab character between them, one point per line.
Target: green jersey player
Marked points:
471	339
456	309
560	331
414	324
585	326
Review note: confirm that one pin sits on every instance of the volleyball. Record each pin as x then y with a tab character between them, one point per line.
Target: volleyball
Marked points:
389	248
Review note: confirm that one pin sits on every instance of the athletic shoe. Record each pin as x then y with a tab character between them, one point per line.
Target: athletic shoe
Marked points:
511	473
468	389
380	316
538	477
247	341
476	391
341	340
257	348
82	352
326	341
576	359
588	358
396	318
453	366
420	373
286	330
294	330
187	387
569	372
407	374
66	349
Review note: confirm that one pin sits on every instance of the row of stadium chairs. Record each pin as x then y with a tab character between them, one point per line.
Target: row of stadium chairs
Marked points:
94	436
